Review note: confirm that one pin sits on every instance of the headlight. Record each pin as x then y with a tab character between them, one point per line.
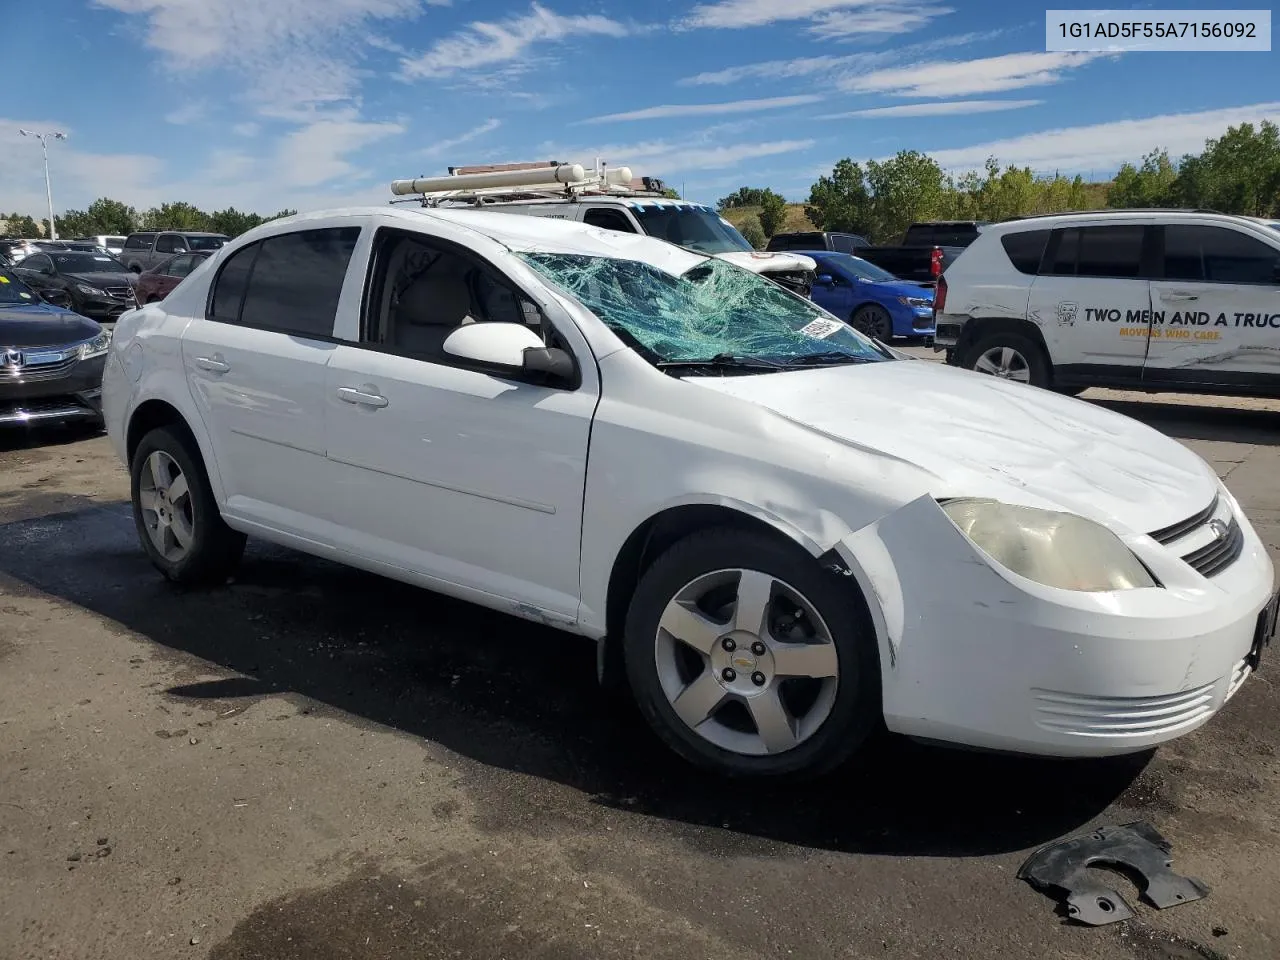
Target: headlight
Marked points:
90	291
915	302
97	346
1056	549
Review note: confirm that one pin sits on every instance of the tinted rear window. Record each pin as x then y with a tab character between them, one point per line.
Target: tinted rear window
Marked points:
296	281
139	241
798	241
1111	252
1025	249
228	289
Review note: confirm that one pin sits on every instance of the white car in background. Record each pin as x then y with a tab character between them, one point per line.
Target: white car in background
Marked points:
1152	300
790	537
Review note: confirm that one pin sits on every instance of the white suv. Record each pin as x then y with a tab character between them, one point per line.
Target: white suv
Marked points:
1154	300
781	534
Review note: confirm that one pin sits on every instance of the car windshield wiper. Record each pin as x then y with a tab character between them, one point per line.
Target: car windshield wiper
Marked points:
721	361
826	358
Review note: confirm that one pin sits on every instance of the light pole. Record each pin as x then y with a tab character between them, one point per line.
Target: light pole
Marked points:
44	147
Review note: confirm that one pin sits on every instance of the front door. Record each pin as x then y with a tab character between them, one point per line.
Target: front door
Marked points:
1092	300
1217	307
256	364
457	474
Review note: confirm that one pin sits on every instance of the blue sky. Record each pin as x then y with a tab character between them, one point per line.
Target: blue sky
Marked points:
262	104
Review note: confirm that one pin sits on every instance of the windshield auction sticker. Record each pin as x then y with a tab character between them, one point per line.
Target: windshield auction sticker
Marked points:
821	328
1158	30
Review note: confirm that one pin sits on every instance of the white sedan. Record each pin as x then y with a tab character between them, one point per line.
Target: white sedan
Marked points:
789	536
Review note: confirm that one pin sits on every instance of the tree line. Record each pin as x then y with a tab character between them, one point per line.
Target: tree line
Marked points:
113	218
1238	173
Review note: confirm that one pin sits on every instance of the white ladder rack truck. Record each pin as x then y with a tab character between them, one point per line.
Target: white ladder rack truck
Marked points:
607	197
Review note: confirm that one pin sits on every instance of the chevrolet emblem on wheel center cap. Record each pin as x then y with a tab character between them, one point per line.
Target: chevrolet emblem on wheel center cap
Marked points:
744	662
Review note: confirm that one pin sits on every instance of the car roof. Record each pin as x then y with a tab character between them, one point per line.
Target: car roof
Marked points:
520	234
1051	221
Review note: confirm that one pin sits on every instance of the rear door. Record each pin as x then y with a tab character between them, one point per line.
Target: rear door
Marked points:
1217	308
256	363
1092	300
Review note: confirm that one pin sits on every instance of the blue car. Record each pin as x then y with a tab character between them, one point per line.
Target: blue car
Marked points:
872	300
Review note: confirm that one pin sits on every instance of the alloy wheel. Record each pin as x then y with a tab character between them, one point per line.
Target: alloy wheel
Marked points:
165	499
746	662
1005	363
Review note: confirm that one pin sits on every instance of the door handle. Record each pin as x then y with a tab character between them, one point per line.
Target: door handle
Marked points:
352	395
1179	296
214	364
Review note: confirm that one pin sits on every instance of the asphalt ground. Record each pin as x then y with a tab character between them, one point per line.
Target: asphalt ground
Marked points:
317	763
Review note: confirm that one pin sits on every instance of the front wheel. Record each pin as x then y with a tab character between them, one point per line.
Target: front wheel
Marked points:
176	514
1009	356
874	321
750	660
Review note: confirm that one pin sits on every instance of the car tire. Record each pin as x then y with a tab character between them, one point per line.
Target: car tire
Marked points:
1010	356
874	321
175	513
828	717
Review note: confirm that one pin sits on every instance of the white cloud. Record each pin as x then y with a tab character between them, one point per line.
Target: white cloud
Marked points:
486	44
661	158
847	16
444	146
246	129
293	54
938	108
317	152
1104	146
706	109
193	111
833	66
950	78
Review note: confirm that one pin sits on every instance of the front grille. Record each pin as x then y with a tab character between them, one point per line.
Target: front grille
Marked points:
1114	717
120	293
1218	554
36	373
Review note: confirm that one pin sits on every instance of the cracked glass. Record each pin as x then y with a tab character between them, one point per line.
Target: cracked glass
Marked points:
712	312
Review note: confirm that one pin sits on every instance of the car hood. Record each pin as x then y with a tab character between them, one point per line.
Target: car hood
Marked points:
760	262
43	325
979	436
110	279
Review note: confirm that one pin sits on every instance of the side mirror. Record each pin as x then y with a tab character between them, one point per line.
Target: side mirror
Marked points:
826	280
508	346
58	298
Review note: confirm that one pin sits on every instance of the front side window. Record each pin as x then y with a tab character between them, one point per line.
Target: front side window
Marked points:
1217	255
608	220
712	312
693	228
178	267
296	280
424	291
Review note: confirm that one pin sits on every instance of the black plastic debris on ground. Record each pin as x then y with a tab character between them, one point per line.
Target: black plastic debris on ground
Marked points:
1061	870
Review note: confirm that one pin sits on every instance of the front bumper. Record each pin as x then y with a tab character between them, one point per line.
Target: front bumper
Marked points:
74	393
973	655
105	309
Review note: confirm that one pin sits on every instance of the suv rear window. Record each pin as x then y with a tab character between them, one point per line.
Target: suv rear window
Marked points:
1026	249
1112	252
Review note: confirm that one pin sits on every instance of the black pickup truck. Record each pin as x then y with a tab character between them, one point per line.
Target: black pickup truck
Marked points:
926	249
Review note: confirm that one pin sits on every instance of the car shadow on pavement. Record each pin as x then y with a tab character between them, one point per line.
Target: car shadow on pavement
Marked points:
33	438
1186	421
512	696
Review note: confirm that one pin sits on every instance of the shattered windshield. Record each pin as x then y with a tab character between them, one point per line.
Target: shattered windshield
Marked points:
693	228
713	311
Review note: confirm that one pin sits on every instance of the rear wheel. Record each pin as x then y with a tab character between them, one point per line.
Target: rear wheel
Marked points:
750	660
175	512
1009	356
874	321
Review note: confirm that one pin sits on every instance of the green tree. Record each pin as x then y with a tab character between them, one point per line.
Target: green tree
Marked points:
671	193
908	187
1237	173
282	213
107	216
21	225
773	213
743	197
841	201
750	229
1153	184
232	222
74	223
175	216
